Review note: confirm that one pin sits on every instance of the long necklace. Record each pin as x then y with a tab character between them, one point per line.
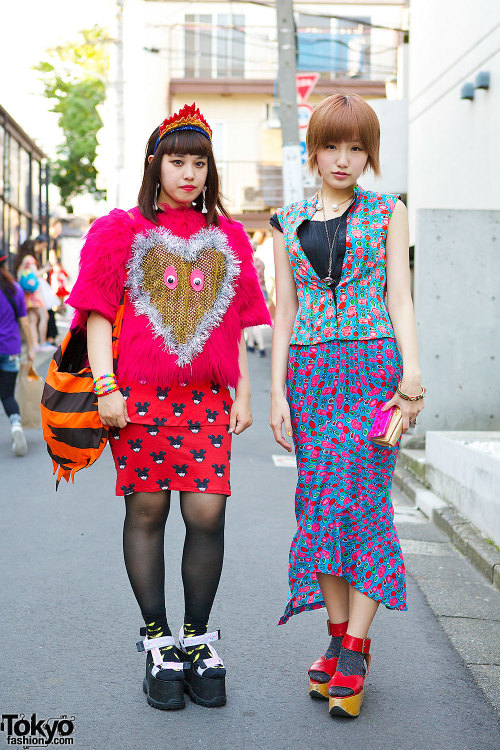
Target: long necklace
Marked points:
328	279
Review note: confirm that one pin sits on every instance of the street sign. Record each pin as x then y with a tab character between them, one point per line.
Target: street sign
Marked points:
305	84
304	112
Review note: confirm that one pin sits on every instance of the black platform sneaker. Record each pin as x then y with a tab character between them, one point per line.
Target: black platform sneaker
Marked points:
203	683
164	681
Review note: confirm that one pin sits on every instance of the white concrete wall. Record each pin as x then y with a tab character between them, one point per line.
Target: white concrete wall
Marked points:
463	468
393	118
453	144
457	304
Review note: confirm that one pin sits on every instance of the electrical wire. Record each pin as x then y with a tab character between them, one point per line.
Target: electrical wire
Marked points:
323	15
448	90
459	59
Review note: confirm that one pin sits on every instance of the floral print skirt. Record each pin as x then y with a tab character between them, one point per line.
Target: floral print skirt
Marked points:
345	517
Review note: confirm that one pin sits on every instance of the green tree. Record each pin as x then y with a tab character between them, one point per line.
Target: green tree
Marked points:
74	76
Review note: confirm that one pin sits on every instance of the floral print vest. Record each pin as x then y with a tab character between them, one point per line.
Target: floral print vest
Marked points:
356	309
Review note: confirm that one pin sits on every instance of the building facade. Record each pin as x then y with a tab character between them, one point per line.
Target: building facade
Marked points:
23	187
224	57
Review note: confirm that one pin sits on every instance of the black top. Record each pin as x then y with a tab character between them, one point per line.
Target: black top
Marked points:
314	243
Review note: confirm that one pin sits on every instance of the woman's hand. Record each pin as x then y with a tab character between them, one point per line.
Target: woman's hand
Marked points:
113	410
280	414
409	409
241	415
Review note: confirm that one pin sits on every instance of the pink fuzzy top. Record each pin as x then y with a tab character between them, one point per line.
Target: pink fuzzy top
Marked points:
107	267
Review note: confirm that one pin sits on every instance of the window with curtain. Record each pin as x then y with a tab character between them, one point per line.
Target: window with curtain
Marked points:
333	45
214	47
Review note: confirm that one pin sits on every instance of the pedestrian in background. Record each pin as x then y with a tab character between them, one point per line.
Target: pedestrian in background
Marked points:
345	327
254	335
12	315
191	288
38	294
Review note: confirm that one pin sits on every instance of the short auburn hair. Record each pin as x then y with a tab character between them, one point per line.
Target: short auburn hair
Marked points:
344	117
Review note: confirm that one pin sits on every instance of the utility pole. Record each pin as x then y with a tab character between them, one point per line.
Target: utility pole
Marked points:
120	116
292	165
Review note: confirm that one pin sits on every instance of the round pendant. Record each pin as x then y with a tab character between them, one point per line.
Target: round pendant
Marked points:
327	280
335	206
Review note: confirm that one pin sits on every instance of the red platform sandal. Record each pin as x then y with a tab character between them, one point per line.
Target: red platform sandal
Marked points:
319	688
349	705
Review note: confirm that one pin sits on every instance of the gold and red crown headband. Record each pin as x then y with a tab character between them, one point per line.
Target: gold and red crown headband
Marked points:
187	118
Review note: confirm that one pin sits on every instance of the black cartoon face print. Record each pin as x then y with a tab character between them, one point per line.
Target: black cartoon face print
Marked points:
216	440
122	461
197	397
159	457
181	470
198	456
194	427
175	442
228	455
219	470
142	473
160	421
226	407
162	393
211	415
114	432
178	409
214	387
125	392
202	484
163	484
142	409
136	445
128	490
152	429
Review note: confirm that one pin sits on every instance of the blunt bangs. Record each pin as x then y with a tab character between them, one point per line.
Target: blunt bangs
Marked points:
185	142
344	117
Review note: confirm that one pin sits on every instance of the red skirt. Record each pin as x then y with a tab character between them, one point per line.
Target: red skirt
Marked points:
178	439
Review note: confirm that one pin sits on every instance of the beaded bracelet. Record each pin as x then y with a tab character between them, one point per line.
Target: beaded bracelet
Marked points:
411	398
105	384
111	375
107	392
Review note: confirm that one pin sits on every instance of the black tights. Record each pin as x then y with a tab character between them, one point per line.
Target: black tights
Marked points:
7	386
143	548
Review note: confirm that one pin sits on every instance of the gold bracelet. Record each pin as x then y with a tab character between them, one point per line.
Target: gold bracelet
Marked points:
411	398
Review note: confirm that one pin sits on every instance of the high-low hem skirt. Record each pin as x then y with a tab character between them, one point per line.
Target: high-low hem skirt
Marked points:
343	507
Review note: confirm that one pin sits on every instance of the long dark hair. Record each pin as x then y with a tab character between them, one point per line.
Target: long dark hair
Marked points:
27	248
180	142
7	285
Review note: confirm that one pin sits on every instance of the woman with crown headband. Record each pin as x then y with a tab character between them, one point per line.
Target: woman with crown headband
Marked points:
184	270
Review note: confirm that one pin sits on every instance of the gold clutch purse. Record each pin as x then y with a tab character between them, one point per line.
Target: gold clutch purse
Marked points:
387	427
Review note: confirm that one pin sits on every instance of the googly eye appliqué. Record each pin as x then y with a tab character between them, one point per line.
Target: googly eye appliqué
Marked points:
170	277
197	280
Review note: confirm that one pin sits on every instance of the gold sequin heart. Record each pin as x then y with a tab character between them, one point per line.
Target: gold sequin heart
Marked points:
183	286
183	306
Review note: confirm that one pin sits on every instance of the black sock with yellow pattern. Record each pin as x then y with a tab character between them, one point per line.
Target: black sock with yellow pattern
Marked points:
157	627
194	627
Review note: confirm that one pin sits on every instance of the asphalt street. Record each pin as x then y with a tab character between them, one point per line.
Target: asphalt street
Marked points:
70	621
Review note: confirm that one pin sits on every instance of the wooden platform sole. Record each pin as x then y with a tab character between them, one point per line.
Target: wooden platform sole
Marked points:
349	706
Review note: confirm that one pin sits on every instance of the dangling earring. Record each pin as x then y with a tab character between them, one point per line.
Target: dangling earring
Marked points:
204	209
155	203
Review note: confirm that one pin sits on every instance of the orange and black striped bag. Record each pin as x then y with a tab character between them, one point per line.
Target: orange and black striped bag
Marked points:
72	428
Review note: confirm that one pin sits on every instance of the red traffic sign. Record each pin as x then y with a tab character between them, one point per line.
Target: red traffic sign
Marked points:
305	84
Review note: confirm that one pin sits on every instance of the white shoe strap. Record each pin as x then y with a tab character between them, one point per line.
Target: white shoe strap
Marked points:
198	640
164	640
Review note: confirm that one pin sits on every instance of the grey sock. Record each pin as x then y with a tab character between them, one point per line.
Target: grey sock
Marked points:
15	419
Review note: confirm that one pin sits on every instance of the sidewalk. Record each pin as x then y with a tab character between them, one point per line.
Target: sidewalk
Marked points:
72	622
